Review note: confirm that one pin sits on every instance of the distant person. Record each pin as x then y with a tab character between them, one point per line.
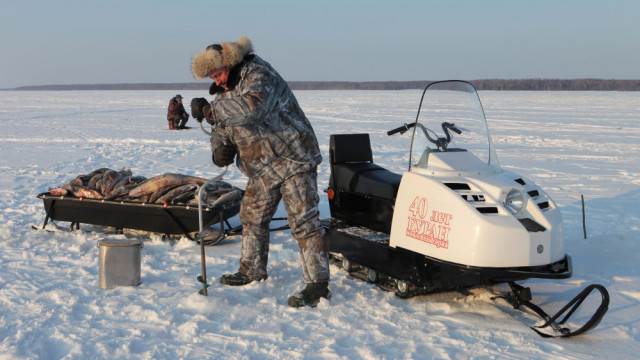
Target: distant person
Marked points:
177	116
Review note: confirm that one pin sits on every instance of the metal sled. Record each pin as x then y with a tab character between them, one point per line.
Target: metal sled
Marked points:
164	219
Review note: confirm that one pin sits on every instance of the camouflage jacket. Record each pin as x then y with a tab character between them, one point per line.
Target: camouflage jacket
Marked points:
261	117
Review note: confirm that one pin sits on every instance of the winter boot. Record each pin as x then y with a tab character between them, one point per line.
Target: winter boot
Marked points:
238	279
311	295
170	124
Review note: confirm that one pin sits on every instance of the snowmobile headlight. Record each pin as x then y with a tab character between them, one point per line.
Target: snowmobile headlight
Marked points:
514	201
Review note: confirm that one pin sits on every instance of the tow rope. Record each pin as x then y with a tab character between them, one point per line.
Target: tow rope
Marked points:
521	296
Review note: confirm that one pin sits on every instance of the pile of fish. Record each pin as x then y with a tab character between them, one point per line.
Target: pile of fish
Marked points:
168	188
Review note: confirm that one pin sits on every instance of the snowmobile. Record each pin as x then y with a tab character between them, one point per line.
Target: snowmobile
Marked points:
454	220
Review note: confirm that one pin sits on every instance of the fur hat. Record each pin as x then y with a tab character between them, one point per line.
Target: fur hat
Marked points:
225	55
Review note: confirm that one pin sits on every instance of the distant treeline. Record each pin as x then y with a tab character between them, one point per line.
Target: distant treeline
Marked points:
558	85
488	84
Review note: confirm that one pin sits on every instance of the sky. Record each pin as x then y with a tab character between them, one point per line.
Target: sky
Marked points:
62	42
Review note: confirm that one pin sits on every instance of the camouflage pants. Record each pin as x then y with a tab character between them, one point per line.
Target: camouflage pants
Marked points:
259	204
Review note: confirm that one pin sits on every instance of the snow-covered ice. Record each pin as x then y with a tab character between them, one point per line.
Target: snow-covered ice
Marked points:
51	307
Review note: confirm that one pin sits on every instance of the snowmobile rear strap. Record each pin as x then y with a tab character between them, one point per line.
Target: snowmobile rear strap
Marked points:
522	296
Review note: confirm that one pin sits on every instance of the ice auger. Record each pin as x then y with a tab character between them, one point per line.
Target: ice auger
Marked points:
203	278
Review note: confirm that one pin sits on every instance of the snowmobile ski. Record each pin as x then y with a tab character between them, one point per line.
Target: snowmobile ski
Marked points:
521	296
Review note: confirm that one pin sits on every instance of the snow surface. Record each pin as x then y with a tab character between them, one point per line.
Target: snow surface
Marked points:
51	307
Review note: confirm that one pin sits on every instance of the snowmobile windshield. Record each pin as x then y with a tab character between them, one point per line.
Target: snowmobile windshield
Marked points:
451	120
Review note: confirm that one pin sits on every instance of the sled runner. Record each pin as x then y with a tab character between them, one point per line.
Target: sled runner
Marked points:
455	219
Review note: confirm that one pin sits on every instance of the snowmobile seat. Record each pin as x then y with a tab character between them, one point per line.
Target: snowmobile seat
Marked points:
353	169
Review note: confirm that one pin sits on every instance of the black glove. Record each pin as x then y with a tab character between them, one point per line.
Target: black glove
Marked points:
197	106
222	154
215	89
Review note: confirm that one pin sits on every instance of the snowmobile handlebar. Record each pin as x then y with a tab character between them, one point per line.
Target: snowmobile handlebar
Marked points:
441	143
446	127
402	129
452	127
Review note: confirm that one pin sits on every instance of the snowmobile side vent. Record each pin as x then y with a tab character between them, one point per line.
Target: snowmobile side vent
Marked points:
531	225
457	186
473	198
487	210
520	181
534	193
543	205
